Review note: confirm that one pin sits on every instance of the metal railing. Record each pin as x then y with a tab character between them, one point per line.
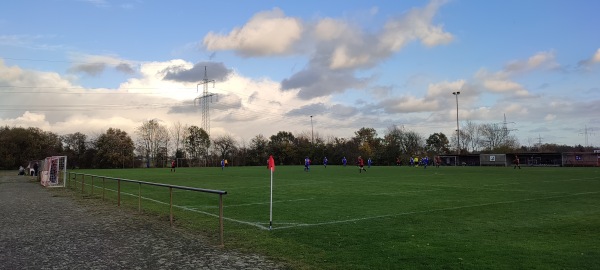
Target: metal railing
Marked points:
73	184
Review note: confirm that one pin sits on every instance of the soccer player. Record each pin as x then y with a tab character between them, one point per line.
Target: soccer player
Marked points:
344	161
425	161
416	161
369	162
325	162
516	162
361	165
306	164
437	161
222	164
173	165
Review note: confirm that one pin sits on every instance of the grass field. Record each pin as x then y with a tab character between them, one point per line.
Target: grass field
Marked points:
389	217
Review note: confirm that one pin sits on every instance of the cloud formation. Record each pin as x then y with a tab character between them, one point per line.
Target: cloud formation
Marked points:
266	33
338	48
95	65
197	73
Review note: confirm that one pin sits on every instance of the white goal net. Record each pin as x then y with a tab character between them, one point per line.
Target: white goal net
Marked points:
449	161
54	171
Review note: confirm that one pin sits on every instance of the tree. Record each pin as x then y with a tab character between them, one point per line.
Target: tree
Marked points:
367	141
413	143
178	133
304	146
437	143
197	143
153	138
392	147
225	145
113	149
75	147
259	150
470	137
283	148
19	145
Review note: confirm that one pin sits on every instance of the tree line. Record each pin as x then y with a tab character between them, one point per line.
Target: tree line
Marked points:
156	145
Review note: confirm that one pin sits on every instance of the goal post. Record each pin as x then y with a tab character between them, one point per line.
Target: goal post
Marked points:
54	171
449	160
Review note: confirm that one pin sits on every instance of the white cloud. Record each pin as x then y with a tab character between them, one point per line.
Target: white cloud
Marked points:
540	60
445	88
409	104
596	57
27	119
416	24
266	33
550	117
96	64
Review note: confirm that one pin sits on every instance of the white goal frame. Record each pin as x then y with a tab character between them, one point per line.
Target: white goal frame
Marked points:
446	162
54	171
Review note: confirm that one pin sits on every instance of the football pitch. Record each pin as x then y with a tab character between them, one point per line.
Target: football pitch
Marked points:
388	217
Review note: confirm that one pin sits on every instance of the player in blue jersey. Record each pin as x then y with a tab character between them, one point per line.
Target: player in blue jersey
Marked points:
425	161
369	162
344	161
306	164
325	162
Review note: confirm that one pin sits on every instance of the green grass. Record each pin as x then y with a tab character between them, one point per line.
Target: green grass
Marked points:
389	217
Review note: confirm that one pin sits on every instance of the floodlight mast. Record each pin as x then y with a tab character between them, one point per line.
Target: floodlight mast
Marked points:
457	128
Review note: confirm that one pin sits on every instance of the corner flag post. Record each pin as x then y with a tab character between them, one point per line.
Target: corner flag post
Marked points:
271	167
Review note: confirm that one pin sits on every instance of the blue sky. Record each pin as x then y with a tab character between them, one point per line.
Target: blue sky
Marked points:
68	65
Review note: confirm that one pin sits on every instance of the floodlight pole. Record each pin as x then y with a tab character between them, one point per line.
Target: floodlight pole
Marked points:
312	131
457	128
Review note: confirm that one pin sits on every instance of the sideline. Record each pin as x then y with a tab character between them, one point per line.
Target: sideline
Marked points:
433	210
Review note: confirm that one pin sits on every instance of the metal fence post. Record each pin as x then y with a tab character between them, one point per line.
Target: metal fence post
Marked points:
103	188
140	198
171	204
119	192
221	219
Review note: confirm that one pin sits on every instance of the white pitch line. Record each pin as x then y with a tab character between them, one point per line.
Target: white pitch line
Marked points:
281	185
404	192
546	181
485	188
431	211
247	204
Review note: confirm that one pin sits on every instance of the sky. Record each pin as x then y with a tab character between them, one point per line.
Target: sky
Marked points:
322	67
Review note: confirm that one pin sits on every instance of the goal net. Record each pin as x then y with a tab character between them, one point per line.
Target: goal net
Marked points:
54	171
448	161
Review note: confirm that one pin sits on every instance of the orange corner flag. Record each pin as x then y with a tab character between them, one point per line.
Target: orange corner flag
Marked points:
271	164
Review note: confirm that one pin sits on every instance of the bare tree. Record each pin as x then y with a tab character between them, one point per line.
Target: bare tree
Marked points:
413	142
225	145
471	136
153	139
178	133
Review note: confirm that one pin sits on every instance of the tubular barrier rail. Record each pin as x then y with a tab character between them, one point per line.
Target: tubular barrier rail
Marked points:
73	184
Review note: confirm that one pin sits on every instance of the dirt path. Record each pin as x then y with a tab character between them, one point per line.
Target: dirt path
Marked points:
40	229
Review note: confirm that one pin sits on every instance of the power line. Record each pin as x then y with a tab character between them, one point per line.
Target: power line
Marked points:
586	132
206	96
